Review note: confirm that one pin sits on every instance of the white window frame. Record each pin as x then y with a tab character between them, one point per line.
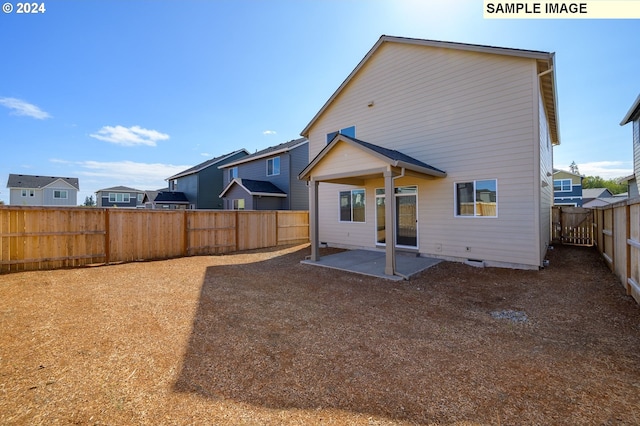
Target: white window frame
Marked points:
119	197
562	185
28	193
273	166
58	194
475	214
351	194
238	204
233	173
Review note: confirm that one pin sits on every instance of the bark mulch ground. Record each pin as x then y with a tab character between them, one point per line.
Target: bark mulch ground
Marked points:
256	338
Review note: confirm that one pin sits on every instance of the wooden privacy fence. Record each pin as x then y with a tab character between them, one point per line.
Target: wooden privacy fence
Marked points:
40	238
572	225
618	240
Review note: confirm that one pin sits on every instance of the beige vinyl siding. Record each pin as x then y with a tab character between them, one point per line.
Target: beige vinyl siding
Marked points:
546	176
345	158
471	114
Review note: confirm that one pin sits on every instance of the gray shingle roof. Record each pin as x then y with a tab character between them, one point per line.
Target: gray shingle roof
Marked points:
119	189
262	186
36	182
204	164
171	197
283	147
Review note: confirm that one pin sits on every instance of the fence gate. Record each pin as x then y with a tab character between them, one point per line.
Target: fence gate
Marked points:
573	226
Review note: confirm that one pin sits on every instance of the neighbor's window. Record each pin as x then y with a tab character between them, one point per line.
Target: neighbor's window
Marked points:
60	194
347	131
562	185
477	198
233	173
352	208
119	197
238	204
273	166
28	193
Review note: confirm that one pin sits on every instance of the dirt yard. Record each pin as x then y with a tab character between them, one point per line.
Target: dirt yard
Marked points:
257	338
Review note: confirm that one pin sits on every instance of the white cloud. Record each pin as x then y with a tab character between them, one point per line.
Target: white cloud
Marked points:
269	132
606	169
129	136
100	174
20	107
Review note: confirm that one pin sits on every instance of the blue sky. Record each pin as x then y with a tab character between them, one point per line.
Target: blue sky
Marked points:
130	92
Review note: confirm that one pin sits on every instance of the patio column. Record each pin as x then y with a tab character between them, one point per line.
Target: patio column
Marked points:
390	224
313	220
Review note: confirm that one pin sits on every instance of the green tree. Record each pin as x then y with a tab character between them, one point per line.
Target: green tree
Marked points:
612	185
88	201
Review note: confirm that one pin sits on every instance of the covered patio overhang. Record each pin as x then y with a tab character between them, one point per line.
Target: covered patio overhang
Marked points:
346	160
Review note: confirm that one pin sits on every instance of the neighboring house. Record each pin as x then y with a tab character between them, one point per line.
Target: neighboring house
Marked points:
633	116
591	194
202	183
29	190
567	188
119	196
268	179
165	200
438	148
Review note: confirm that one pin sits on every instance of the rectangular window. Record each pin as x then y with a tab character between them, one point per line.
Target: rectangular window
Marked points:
477	198
119	197
562	185
347	131
352	206
233	173
238	204
140	198
60	194
273	166
28	193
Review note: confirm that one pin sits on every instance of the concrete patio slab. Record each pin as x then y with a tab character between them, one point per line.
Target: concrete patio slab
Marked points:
370	262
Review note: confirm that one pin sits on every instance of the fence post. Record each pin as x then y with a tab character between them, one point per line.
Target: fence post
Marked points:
107	237
277	226
237	231
185	240
627	237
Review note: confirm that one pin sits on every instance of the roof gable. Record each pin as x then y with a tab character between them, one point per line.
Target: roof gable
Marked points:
39	182
388	156
255	187
119	189
545	65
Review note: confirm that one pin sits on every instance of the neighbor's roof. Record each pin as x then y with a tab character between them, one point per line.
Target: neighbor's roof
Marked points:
205	164
393	157
255	187
633	112
596	193
272	150
36	182
119	189
171	197
545	62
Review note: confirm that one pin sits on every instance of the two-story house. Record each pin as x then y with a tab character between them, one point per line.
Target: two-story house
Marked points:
438	148
30	190
268	179
567	188
633	116
119	196
201	184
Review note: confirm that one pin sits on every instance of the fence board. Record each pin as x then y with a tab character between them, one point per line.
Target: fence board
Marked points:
572	225
38	238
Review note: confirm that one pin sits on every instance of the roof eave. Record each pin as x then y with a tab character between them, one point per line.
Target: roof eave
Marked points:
633	111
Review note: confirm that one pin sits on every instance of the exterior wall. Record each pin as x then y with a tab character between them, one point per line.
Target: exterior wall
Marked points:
103	199
257	170
633	184
546	180
573	197
473	115
269	203
237	193
44	196
211	184
298	192
189	186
